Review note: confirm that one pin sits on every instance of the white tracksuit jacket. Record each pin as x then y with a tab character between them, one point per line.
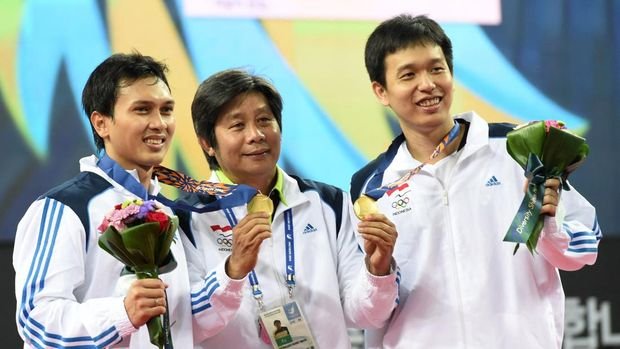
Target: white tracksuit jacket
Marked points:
332	284
67	286
461	285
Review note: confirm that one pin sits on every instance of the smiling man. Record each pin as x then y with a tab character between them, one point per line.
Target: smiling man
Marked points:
301	261
65	285
452	190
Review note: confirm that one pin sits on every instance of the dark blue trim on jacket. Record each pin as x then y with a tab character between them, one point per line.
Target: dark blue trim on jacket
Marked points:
331	195
185	216
374	170
500	129
77	192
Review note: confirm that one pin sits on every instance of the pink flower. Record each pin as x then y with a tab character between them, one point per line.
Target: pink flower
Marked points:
103	226
134	212
554	123
116	219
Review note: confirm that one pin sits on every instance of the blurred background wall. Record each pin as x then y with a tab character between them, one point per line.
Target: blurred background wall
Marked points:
515	61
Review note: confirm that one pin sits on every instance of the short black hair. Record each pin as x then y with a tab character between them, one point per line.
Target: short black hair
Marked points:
117	71
398	33
218	91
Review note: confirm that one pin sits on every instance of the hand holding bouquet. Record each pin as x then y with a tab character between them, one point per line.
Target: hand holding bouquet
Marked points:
544	149
139	234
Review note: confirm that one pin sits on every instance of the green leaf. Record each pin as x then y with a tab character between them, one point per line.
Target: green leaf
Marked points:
146	272
110	241
156	332
527	139
561	150
165	240
141	240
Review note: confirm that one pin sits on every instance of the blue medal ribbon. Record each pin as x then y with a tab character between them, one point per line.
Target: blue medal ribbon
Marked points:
122	177
228	195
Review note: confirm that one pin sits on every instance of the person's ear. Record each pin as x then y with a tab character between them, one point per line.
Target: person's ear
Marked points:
206	147
100	123
380	93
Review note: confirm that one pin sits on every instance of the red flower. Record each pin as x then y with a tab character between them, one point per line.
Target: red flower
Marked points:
160	217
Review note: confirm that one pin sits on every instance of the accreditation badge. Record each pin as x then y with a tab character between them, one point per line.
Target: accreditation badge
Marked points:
286	327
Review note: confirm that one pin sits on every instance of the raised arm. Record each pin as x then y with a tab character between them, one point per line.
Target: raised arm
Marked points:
571	233
368	298
217	292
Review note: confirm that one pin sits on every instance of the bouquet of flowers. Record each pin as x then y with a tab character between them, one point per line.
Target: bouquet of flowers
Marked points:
545	149
139	234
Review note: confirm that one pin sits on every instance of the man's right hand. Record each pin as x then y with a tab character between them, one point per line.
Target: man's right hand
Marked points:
145	299
247	238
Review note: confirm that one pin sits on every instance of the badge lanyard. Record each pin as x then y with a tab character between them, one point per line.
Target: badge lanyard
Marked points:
289	247
447	139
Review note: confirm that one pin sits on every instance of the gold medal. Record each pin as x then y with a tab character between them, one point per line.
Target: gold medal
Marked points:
365	205
260	203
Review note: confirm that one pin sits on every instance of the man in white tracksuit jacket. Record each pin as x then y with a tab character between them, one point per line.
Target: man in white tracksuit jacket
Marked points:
332	282
237	117
461	285
67	288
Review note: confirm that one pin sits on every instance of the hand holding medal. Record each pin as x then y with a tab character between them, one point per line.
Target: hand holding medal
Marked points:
379	235
378	231
248	235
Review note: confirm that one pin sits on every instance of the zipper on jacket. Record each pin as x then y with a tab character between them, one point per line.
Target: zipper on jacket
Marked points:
459	296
